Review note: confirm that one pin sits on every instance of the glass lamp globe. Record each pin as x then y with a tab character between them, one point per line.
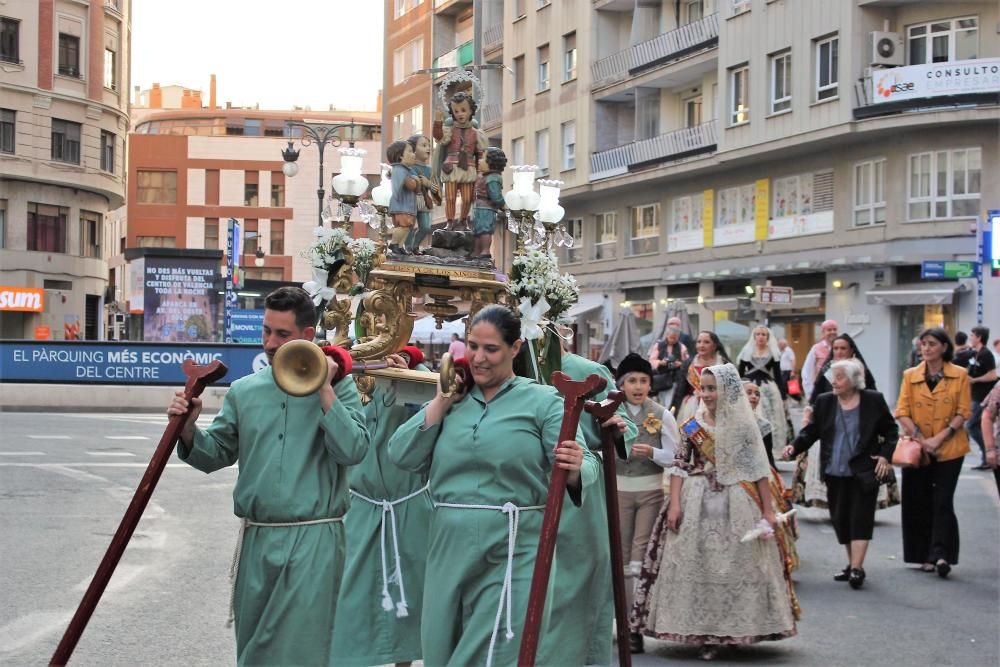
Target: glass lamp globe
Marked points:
349	182
524	186
549	210
382	193
290	169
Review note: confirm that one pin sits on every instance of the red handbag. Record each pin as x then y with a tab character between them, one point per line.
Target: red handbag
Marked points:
909	454
794	388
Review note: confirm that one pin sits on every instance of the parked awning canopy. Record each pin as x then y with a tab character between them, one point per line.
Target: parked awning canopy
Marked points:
914	294
589	303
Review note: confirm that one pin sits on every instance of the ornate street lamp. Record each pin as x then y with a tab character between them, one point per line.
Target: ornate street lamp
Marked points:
535	217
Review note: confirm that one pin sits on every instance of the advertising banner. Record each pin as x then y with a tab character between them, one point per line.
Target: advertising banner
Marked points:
136	285
247	325
961	77
801	225
80	362
181	300
22	299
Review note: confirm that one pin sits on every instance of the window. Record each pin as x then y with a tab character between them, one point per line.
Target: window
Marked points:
543	68
277	189
277	237
569	57
90	234
943	41
694	10
251	236
65	141
793	195
606	238
251	188
826	68
518	78
156	187
692	112
781	82
687	213
542	151
157	241
8	124
517	151
520	9
407	59
869	193
69	55
944	184
736	205
253	127
110	69
409	122
574	227
399	8
569	145
739	6
647	113
107	151
212	233
47	227
739	96
3	223
645	230
10	50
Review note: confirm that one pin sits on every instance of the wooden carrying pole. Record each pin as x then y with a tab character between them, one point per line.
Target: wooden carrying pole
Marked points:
574	394
198	377
603	411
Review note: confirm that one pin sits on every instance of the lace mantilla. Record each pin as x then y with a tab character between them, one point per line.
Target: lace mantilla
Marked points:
739	447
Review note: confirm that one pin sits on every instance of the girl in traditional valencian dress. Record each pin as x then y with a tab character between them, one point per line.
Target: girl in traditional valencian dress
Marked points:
700	584
709	352
760	361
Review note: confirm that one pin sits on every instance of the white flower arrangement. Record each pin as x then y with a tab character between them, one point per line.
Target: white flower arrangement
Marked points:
328	248
536	276
364	251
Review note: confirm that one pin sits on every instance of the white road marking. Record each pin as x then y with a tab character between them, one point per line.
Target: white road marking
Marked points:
123	576
22	453
125	437
89	453
50	437
30	628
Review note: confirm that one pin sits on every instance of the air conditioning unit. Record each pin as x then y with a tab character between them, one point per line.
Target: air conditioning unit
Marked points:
885	48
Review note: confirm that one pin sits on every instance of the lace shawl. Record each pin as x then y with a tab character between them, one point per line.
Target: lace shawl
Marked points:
749	350
739	446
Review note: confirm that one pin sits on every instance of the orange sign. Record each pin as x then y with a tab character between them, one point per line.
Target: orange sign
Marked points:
43	333
25	299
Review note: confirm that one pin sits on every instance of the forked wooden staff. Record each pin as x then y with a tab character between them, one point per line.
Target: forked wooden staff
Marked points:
574	395
198	377
610	445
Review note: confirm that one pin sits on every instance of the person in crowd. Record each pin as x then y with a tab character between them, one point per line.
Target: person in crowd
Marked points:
982	376
640	477
760	361
488	452
686	340
963	351
456	348
787	361
666	357
857	435
753	395
933	406
291	493
709	352
378	611
990	426
700	583
818	354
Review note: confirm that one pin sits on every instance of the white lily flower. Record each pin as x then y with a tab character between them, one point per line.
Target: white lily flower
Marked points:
317	288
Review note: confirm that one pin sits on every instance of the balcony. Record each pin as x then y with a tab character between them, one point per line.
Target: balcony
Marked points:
924	87
460	56
696	36
491	116
493	38
451	6
675	145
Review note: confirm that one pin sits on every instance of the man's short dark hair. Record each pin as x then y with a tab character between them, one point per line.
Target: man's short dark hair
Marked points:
983	333
961	338
295	299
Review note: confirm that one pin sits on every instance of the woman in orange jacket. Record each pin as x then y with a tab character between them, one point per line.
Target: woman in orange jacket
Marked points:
934	403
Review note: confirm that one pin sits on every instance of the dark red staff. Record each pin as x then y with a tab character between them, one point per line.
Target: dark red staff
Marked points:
198	377
574	394
610	441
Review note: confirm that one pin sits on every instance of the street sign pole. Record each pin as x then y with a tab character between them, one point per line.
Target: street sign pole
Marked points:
980	259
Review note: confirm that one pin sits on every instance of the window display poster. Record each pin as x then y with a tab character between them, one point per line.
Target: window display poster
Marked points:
182	299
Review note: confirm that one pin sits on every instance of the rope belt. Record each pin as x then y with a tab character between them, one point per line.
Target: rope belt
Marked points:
388	508
513	513
234	567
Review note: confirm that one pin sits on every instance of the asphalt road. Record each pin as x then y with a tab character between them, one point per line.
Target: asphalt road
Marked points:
66	479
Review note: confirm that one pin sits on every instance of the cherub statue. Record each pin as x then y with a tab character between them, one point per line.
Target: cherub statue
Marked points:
405	186
489	200
431	196
460	144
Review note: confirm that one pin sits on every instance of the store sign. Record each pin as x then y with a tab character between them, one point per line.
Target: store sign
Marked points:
921	81
771	296
247	325
43	332
22	299
801	225
948	270
80	362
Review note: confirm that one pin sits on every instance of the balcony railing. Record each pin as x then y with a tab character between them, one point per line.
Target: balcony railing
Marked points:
493	37
674	145
491	115
672	45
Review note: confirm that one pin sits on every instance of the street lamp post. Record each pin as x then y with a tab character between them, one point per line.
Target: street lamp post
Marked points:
319	134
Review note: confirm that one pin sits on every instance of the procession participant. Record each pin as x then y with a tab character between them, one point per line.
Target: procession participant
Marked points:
640	477
488	453
818	354
421	146
582	595
760	361
708	352
666	357
982	376
988	423
700	584
291	493
378	612
753	395
787	362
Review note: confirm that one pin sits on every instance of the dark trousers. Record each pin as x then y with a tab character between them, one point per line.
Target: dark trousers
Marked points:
974	427
930	527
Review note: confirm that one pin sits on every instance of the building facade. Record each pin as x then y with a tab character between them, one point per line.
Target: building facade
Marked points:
64	82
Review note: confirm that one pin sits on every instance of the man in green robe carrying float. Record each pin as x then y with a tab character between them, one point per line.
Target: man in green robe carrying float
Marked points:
291	494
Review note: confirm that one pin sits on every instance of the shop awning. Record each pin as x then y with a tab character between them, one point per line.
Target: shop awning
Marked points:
799	301
914	294
585	308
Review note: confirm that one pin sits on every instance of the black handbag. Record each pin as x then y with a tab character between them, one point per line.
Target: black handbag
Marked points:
664	378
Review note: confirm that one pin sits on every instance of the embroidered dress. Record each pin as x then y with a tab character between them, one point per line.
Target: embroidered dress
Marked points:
765	372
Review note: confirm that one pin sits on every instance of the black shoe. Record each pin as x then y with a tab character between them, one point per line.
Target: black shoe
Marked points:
982	466
857	578
843	575
943	568
635	643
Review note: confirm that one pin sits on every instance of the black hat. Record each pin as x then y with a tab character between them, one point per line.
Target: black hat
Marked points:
634	363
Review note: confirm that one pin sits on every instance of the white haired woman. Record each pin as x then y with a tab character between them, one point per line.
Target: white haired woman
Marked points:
857	435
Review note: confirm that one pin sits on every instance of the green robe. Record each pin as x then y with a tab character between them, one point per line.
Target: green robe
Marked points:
365	633
292	467
582	604
484	454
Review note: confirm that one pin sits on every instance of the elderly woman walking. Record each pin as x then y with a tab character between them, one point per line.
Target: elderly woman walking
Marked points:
857	435
934	403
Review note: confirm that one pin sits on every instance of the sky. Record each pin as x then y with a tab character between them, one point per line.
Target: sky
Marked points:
278	53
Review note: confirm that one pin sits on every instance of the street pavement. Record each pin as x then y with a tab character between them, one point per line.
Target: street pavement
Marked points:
66	479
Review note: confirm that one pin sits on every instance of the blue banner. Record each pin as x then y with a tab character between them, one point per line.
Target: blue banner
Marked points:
247	325
129	363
